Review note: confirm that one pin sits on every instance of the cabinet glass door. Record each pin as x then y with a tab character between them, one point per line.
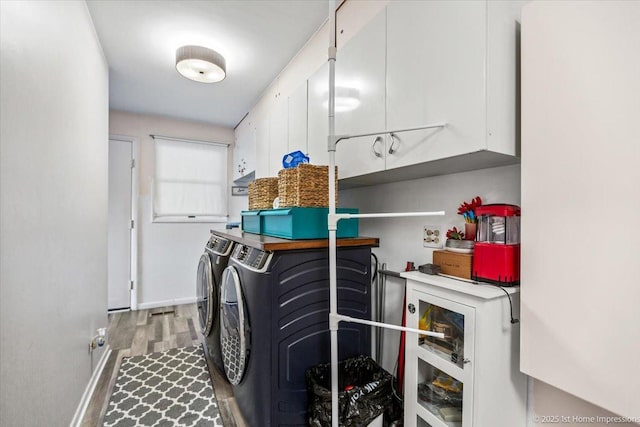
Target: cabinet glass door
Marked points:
440	394
443	391
435	318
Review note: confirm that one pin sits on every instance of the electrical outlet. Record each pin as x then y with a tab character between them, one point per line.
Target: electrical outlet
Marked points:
432	236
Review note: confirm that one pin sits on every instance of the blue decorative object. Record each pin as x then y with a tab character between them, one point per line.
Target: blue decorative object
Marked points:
293	159
251	222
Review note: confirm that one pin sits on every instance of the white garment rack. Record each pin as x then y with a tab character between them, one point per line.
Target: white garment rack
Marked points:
334	317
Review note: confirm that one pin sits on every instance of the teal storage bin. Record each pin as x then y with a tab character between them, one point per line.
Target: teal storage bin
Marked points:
251	222
305	223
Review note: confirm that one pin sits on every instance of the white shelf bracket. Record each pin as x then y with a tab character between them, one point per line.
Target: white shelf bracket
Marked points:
334	320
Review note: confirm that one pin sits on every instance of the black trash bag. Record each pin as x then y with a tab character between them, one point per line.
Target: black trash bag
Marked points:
364	392
394	415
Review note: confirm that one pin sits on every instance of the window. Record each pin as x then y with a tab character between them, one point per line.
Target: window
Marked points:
190	181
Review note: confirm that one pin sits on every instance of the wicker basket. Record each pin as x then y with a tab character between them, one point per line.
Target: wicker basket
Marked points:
305	186
262	191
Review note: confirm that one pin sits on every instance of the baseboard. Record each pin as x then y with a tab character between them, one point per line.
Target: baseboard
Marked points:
88	391
156	304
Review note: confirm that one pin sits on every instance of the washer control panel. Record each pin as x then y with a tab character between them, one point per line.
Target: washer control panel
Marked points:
252	258
219	246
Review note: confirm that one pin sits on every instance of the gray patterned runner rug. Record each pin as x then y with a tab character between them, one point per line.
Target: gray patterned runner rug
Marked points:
171	388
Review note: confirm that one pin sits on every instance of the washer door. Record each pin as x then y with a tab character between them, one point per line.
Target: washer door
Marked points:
205	294
234	331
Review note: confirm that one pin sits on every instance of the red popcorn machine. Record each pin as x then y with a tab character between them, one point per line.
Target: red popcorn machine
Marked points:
496	255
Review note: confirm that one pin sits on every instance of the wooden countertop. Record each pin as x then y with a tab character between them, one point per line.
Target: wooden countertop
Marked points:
268	243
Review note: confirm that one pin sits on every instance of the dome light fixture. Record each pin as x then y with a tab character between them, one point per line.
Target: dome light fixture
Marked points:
200	64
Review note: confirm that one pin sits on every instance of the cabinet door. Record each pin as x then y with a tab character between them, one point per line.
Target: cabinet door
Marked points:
318	93
278	134
435	73
298	120
503	109
360	95
439	375
360	108
244	150
262	148
581	98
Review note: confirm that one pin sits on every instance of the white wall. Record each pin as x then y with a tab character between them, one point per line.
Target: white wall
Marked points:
53	206
401	238
550	402
168	253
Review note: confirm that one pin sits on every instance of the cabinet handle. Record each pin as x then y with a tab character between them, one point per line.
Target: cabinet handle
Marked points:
412	308
465	361
373	146
394	137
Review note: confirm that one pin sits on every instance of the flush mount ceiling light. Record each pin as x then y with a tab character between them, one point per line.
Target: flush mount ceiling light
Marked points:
200	64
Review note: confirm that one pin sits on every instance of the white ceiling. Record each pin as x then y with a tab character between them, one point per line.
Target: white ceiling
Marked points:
256	37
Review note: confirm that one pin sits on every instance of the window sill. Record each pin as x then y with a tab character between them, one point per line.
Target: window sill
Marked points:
189	219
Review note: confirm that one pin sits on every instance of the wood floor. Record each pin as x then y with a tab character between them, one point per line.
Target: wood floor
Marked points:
133	333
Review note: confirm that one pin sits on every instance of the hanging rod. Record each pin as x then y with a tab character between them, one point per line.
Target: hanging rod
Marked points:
342	318
391	214
338	138
334	218
390	273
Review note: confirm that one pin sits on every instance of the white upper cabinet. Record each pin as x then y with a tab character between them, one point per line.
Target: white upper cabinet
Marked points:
298	120
271	136
436	73
503	71
453	62
278	134
262	148
360	100
244	150
416	63
318	115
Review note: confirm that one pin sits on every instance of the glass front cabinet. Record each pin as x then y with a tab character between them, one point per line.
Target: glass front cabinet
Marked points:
470	377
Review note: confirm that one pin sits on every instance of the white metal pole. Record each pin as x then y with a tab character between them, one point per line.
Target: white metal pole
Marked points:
333	218
333	282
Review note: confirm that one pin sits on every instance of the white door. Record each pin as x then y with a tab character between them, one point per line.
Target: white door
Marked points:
119	255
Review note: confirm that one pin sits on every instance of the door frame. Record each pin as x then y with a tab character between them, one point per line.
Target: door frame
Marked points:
134	216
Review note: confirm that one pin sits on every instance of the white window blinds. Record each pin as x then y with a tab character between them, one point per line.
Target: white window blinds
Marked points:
190	180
